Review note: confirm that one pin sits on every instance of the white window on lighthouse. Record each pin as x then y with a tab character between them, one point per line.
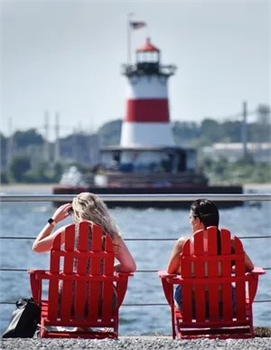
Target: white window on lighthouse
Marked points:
148	57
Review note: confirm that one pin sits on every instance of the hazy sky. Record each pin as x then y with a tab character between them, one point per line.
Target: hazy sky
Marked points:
66	57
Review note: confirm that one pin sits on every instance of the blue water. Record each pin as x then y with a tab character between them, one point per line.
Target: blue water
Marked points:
26	219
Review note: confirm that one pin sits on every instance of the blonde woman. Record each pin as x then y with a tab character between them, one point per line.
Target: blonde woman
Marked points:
86	207
90	207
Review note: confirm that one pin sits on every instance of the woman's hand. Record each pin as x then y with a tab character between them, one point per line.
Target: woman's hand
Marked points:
62	212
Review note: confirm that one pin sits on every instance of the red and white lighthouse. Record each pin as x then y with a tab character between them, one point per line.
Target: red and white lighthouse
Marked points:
147	119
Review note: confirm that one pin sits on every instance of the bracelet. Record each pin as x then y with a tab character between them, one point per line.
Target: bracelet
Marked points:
52	222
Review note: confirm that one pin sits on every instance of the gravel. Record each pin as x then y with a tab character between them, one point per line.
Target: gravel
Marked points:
135	343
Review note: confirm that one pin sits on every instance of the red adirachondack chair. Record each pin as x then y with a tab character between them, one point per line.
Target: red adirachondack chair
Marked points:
209	274
88	294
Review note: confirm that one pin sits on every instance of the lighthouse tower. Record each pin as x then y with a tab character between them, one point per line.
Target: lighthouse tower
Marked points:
147	150
147	120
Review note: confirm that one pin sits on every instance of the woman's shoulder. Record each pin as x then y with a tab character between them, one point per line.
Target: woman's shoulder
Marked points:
64	227
180	241
183	238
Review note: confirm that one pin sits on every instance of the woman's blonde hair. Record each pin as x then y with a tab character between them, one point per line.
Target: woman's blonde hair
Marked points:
88	206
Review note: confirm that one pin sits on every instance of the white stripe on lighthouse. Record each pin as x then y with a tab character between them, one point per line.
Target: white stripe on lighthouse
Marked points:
146	87
146	134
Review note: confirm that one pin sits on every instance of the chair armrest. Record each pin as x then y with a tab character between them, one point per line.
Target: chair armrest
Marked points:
257	271
32	271
122	284
165	274
253	276
124	274
35	283
167	286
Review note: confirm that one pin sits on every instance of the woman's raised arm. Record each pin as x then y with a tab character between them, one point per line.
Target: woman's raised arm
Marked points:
44	239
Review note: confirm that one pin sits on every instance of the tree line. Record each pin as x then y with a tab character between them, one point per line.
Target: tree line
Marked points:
24	167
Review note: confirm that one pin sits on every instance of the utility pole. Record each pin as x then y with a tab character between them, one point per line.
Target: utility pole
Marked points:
57	154
10	143
261	128
74	145
46	153
244	130
263	121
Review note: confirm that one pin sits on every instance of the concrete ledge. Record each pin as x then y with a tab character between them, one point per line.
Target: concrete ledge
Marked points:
151	342
145	343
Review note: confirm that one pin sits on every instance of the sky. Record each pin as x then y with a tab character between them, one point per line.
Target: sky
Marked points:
66	57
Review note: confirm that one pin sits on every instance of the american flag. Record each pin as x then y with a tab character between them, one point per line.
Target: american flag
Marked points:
137	25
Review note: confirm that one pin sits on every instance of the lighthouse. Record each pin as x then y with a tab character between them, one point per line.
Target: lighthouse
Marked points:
147	146
147	161
147	117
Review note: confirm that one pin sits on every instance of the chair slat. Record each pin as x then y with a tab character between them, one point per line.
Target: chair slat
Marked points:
53	287
227	302
84	241
96	270
66	297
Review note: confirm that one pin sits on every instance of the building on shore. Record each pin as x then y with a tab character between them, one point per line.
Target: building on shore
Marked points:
234	151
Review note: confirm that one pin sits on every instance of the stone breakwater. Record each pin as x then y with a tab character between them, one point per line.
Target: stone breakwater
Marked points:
136	343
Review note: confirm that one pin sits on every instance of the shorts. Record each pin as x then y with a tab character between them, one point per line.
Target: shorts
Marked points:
179	302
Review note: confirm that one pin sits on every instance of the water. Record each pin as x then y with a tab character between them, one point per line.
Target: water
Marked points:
26	219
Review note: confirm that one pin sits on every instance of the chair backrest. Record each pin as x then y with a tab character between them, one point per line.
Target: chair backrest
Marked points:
214	280
81	275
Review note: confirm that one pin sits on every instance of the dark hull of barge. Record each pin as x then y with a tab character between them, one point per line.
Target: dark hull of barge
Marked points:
201	191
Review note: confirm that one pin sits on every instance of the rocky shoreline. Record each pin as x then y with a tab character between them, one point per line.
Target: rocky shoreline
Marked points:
136	343
262	341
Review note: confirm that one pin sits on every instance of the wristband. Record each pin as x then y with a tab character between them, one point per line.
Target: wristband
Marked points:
51	222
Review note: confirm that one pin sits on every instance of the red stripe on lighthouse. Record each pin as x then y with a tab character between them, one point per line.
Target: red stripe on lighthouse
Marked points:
145	110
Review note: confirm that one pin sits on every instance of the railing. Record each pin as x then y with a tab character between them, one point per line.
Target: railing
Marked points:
134	197
138	197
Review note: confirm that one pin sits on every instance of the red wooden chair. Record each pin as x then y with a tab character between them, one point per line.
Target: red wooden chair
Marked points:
217	292
88	294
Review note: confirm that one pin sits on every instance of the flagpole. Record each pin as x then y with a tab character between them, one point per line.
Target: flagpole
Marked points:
148	31
129	39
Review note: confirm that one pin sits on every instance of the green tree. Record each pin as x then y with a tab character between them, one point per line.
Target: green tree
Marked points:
58	171
19	166
3	141
40	174
4	177
110	133
211	130
3	150
231	131
185	132
24	138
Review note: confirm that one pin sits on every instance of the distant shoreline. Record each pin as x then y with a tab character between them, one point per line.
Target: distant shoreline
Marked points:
266	186
47	188
27	188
